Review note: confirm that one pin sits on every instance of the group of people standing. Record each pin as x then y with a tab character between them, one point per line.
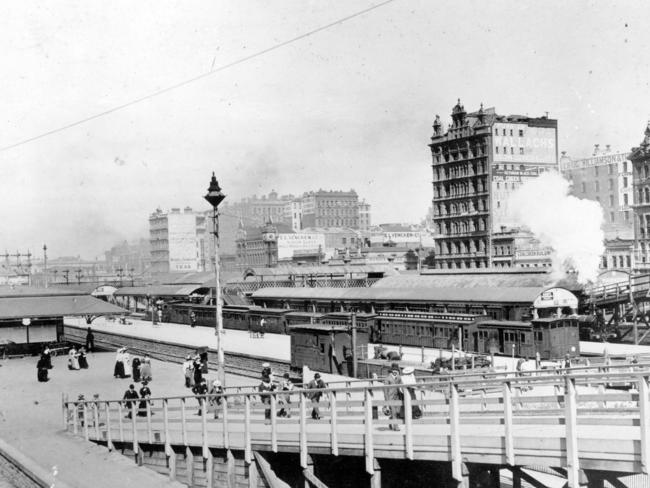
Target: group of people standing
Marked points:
131	396
267	385
399	382
125	366
77	358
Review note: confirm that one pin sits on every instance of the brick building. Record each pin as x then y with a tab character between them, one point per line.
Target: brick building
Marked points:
330	209
477	163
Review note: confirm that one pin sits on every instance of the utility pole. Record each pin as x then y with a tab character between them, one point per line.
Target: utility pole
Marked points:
66	273
45	264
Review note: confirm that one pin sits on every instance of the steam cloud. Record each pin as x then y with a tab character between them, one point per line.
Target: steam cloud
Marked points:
572	227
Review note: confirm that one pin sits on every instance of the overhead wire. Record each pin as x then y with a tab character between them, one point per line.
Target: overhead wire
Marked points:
196	78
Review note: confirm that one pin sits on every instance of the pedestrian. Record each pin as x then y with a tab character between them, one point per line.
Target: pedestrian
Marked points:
126	360
187	372
266	371
81	357
118	370
46	356
73	359
262	326
135	369
264	387
192	318
197	371
130	396
200	389
408	378
90	340
41	369
393	394
316	384
160	315
285	399
145	369
145	394
216	390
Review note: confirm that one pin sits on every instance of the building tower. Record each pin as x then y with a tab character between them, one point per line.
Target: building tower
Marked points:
640	159
477	163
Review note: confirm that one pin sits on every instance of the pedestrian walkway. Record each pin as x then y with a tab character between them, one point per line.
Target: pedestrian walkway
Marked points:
30	418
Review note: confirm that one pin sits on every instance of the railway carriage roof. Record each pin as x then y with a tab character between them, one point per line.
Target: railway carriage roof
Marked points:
430	294
505	324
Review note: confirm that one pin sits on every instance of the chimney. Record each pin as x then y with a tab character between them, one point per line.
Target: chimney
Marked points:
596	150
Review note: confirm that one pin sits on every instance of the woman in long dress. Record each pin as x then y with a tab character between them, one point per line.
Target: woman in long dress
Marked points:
145	369
118	371
126	360
81	357
73	359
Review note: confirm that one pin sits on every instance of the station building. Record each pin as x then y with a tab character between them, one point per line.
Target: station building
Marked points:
478	162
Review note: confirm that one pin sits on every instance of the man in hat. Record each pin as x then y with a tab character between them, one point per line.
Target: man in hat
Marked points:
316	384
266	371
393	394
199	390
285	399
264	387
215	399
130	396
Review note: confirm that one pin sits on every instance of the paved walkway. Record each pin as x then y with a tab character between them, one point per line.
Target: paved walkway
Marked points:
31	418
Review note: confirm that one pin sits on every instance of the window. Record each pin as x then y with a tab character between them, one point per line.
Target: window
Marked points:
505	150
611	200
497	149
610	184
521	150
512	150
625	199
539	337
504	132
584	187
510	132
611	216
498	204
521	133
625	182
610	169
624	166
596	170
626	215
597	186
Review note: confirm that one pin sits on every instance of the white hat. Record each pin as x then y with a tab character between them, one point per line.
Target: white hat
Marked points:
216	383
408	370
266	365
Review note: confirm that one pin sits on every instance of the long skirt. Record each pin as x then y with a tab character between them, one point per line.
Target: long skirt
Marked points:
83	362
42	374
118	372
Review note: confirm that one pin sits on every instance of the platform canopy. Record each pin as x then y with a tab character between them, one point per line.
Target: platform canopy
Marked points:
16	307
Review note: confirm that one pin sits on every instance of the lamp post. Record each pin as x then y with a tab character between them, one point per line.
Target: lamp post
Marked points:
214	197
45	264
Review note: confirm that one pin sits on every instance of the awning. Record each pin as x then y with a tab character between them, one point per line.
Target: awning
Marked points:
158	291
55	306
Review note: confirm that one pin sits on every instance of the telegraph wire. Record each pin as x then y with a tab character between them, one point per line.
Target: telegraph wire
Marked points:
196	78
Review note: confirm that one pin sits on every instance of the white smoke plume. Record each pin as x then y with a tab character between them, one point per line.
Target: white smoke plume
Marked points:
571	226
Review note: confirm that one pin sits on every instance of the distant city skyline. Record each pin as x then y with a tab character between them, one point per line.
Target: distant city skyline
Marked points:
350	106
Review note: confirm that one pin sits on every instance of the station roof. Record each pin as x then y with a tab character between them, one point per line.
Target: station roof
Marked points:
488	278
431	294
180	290
341	270
17	307
31	291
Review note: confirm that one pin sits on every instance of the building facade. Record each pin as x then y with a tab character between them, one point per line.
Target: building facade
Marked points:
365	220
178	241
640	159
605	177
478	162
330	209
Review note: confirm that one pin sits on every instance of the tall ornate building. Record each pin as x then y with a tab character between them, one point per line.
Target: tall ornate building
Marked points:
477	163
640	159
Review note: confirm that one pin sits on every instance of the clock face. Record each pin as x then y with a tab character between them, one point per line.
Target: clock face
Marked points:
269	237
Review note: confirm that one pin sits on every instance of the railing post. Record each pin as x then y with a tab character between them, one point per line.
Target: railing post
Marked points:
109	434
408	423
370	448
149	429
571	423
303	432
274	426
226	437
96	418
454	426
65	409
334	439
85	419
165	404
134	428
204	426
247	429
75	418
507	424
183	423
119	420
644	423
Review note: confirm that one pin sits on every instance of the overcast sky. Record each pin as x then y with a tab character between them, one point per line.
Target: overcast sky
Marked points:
348	107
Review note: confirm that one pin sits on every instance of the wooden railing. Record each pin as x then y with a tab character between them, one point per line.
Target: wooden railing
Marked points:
251	286
577	420
638	284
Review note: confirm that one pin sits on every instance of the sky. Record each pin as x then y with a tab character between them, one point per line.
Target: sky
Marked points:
350	106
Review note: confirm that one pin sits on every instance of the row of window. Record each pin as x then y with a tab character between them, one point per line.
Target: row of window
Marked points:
617	261
463	227
459	171
505	150
460	188
460	208
496	132
463	247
